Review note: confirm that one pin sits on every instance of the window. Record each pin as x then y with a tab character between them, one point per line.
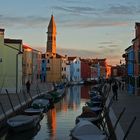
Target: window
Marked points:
43	55
42	69
43	61
48	61
65	69
48	69
62	68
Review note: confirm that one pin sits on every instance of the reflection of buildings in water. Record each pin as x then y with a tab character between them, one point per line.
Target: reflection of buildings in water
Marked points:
62	105
84	92
74	96
51	117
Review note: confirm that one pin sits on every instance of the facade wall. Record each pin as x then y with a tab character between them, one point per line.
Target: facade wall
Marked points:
36	66
11	66
54	70
94	72
85	71
27	65
68	72
76	70
63	70
43	70
2	73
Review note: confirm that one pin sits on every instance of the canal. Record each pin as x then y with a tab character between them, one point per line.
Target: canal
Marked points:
57	122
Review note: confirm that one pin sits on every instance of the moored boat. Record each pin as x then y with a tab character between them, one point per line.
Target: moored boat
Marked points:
41	104
85	130
23	122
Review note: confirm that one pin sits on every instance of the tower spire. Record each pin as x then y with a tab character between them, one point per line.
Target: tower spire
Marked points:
51	36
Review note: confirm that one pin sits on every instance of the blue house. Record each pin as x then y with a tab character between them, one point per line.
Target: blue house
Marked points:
130	69
43	68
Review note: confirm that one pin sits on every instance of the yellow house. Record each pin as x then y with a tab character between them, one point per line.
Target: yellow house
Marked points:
56	69
11	64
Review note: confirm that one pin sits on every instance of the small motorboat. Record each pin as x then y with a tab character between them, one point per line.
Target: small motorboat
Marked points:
41	104
23	122
85	130
24	135
93	103
33	111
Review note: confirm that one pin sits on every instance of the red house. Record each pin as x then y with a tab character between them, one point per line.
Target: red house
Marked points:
85	69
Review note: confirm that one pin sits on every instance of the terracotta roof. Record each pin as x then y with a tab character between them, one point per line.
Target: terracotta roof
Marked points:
14	41
26	47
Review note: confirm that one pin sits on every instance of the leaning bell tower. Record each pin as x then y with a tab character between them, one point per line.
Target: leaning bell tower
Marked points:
51	38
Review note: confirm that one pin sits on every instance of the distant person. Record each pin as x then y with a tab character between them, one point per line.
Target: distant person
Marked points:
115	91
28	84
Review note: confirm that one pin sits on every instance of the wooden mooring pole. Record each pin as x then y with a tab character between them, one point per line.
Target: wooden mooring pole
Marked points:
10	100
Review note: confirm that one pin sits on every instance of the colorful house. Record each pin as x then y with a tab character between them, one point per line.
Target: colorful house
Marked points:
56	68
85	70
43	68
27	63
75	70
10	64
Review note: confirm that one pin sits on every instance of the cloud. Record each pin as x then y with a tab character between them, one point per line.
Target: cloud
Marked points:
93	23
77	9
122	10
29	21
106	42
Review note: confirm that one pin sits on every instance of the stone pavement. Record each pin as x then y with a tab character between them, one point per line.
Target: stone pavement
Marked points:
132	105
23	98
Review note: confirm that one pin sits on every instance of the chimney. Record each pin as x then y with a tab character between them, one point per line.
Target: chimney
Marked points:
1	36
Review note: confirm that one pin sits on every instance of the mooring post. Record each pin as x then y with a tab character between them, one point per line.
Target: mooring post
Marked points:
3	110
10	101
19	99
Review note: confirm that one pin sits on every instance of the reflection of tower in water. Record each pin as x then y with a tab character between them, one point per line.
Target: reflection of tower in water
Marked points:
51	116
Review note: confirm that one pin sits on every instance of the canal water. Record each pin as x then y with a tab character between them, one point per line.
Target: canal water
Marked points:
57	122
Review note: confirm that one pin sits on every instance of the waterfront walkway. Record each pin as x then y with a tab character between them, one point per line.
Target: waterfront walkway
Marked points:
132	105
22	98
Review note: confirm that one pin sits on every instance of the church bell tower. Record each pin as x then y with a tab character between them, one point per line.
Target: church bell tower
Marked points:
51	38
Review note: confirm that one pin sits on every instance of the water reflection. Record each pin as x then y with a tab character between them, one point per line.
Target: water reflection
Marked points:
58	122
74	97
51	119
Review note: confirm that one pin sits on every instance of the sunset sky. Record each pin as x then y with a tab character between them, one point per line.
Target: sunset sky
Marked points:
86	28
